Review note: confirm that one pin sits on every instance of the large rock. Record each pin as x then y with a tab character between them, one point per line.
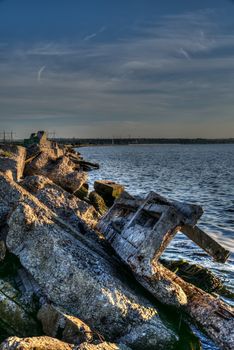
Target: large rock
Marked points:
35	343
103	346
60	325
12	160
47	343
98	202
11	194
2	250
61	171
78	213
81	281
108	190
14	317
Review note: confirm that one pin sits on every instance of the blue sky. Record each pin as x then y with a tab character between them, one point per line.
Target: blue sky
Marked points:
117	68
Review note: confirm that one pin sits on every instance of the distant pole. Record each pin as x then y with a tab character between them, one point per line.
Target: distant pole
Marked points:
4	136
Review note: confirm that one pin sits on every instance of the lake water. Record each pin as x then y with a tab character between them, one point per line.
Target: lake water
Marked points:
201	174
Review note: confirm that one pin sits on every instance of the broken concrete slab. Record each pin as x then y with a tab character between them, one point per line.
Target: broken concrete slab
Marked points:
98	202
2	250
206	242
131	204
139	233
68	207
103	346
82	164
12	161
57	324
61	171
35	343
196	274
83	192
48	343
81	282
11	194
14	317
108	190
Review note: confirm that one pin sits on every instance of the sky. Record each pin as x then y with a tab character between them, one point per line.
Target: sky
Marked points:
132	68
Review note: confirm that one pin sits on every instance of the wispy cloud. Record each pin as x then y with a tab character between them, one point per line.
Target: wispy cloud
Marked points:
93	35
178	69
184	53
39	73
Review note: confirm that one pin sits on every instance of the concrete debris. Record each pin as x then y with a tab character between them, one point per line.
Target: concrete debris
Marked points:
103	346
98	202
12	160
61	171
59	325
139	231
2	250
108	190
47	343
79	281
69	268
35	343
68	207
13	313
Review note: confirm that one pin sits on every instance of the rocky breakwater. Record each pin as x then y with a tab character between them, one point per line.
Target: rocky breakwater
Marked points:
61	286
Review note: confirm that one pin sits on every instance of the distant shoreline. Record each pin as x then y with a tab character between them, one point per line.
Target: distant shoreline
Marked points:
140	141
76	142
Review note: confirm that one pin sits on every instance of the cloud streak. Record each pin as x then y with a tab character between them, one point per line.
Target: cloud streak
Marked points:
39	73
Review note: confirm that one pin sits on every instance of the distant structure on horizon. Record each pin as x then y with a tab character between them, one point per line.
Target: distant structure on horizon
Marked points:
36	138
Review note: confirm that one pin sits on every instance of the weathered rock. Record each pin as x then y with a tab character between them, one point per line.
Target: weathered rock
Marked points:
38	142
82	192
35	343
47	343
98	202
108	190
68	328
103	346
206	242
139	234
11	194
80	281
60	171
82	164
14	317
12	160
76	212
2	250
139	231
196	274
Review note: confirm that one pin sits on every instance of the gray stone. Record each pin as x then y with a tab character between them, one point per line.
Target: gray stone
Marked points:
14	317
139	231
68	207
60	325
2	250
61	171
80	281
98	202
35	343
47	343
12	160
108	190
103	346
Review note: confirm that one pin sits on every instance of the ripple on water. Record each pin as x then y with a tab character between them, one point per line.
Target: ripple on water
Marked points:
202	174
